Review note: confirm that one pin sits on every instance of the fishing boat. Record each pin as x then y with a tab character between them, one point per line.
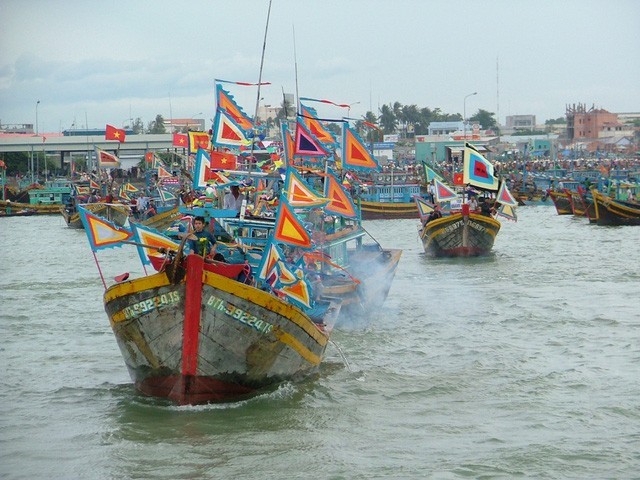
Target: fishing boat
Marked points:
562	201
388	195
460	234
10	208
117	213
614	212
194	333
464	229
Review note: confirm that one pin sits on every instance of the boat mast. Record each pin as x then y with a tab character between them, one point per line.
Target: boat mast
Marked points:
264	47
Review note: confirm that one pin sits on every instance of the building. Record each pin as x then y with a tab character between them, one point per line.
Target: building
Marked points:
520	122
446	128
174	125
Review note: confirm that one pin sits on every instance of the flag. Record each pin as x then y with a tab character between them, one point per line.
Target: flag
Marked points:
298	193
227	132
306	144
123	194
198	140
243	84
223	161
149	238
2	164
317	129
128	187
166	195
164	173
94	185
82	190
343	105
504	196
180	140
507	211
270	257
288	228
288	143
477	170
424	207
298	291
355	154
113	133
340	202
443	192
101	233
429	173
225	101
106	160
203	165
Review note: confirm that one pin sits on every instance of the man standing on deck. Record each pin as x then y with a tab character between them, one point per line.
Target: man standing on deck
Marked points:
233	199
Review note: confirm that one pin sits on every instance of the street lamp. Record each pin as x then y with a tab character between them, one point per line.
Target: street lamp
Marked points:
193	115
37	103
464	115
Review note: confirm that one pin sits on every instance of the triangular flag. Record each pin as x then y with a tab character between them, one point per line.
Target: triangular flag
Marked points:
298	193
226	102
164	173
288	228
106	160
340	202
504	196
130	188
101	232
151	238
226	132
424	207
443	192
288	143
355	154
306	145
203	165
166	195
508	211
94	185
298	292
316	128
429	173
270	257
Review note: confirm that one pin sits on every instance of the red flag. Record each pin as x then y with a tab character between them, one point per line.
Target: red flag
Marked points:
179	140
223	161
113	133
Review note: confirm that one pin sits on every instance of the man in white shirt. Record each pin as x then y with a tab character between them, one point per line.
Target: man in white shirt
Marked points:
233	199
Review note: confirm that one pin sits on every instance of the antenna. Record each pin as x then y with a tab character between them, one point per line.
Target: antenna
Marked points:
295	63
497	91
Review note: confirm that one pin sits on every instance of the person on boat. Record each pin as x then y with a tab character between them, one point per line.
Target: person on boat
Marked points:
435	214
151	211
431	190
202	241
233	199
473	202
486	208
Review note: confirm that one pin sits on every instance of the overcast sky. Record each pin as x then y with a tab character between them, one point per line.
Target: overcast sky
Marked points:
95	63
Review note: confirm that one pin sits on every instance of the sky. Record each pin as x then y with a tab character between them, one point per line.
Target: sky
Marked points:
96	63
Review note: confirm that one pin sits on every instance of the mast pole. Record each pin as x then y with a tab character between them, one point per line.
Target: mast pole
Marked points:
264	47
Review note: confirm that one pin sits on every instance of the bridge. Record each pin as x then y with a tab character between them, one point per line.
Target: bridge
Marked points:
65	148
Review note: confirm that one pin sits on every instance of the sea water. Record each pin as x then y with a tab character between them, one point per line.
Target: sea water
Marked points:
522	364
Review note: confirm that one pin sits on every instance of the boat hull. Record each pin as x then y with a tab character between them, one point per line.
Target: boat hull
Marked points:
386	211
209	338
562	202
612	212
459	235
118	214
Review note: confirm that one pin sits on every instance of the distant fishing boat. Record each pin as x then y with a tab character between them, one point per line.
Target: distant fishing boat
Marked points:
114	212
388	195
460	230
613	212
